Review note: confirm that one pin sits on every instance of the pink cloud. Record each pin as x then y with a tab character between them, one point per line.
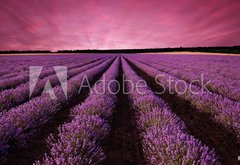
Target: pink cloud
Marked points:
106	24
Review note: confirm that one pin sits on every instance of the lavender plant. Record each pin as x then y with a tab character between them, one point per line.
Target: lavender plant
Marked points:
163	134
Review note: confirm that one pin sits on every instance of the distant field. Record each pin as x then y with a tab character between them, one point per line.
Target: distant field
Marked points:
180	53
196	53
154	108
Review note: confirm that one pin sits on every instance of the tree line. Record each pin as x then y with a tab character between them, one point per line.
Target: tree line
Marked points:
225	49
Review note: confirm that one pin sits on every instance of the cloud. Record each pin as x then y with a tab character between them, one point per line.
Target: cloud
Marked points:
92	24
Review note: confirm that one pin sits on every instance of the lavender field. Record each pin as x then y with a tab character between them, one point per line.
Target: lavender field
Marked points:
131	109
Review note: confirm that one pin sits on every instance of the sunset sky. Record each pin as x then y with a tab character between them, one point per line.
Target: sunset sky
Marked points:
110	24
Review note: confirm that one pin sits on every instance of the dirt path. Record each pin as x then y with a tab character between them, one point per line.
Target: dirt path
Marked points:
122	146
200	124
37	146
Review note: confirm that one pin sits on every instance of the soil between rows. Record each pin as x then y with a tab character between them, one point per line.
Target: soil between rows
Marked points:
199	124
123	145
37	145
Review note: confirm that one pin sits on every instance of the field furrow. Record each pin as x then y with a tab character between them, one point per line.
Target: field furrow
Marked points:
223	110
199	123
18	125
105	109
164	135
14	97
123	145
223	86
23	78
88	126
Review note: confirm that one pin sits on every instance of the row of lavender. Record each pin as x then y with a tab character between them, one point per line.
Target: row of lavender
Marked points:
221	71
164	138
78	141
23	77
19	124
16	77
224	110
16	68
13	97
222	65
11	66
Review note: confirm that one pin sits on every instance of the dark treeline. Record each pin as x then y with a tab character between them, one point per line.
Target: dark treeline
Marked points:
226	49
232	49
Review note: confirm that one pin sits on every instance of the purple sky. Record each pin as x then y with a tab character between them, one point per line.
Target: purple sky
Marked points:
110	24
